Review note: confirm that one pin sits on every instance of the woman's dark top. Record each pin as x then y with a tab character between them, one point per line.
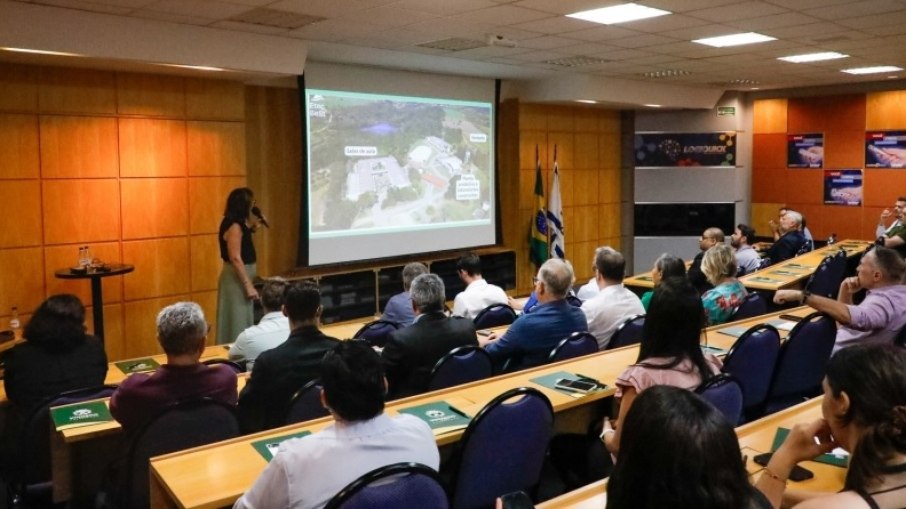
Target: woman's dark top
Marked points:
247	250
34	374
892	492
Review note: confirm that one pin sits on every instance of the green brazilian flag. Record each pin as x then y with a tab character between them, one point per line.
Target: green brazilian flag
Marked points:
538	237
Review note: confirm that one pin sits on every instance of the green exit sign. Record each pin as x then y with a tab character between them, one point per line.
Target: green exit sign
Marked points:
726	111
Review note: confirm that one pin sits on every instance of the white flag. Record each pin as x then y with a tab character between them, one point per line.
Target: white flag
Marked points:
555	215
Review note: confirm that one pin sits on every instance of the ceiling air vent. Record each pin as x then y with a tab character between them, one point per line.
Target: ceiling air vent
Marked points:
274	18
664	74
575	61
453	44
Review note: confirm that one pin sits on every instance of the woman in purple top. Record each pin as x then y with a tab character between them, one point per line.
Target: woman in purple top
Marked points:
669	354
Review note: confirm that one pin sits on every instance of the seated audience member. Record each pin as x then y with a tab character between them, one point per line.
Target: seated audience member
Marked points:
271	331
411	352
57	356
864	412
478	294
181	331
776	229
530	339
283	370
791	238
879	317
590	289
308	471
669	354
614	303
665	266
710	238
399	307
893	236
720	302
747	257
679	452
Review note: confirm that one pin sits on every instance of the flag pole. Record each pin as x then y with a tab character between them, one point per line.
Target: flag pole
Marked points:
550	253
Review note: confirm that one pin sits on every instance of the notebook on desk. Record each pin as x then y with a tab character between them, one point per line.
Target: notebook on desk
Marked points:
80	414
441	416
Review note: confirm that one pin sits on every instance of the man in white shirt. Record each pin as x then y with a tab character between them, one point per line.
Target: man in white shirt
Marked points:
746	256
614	303
308	471
478	294
590	289
271	331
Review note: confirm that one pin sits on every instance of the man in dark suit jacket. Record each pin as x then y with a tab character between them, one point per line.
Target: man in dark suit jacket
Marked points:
411	352
283	370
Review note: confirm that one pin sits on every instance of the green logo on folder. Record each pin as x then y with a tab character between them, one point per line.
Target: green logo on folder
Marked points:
80	414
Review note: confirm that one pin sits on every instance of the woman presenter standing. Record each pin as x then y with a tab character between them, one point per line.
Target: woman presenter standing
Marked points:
236	293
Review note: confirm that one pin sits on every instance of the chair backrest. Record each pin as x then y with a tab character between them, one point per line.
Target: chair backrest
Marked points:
503	448
377	332
751	360
802	362
461	365
306	405
725	393
573	300
226	362
393	486
180	426
753	305
576	345
807	246
628	333
494	315
828	276
33	443
900	338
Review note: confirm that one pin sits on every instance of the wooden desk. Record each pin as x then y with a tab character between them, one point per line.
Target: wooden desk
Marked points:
795	270
346	330
754	438
644	279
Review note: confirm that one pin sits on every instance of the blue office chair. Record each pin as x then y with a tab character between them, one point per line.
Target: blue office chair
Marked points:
573	300
828	276
751	360
494	315
31	483
180	426
806	247
461	365
305	404
752	306
393	486
576	345
628	333
802	362
377	332
503	448
724	392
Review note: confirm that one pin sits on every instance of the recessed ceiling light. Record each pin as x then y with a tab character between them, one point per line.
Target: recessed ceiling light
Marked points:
196	67
813	57
652	105
735	39
41	52
586	101
872	70
618	14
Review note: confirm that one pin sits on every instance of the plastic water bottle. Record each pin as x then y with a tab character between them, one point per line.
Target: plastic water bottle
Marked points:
14	324
832	239
83	257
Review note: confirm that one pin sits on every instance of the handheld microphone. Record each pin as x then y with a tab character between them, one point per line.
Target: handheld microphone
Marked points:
260	216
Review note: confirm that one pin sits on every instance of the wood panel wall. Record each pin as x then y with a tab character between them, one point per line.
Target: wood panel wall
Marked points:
588	153
843	119
136	166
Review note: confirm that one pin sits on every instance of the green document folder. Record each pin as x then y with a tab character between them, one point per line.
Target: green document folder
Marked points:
838	457
550	381
267	448
80	414
734	331
137	365
441	416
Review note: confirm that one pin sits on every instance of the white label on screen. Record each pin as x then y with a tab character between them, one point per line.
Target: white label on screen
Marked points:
468	188
478	137
353	151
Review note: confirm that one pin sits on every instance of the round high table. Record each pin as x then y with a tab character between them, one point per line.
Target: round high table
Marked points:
97	298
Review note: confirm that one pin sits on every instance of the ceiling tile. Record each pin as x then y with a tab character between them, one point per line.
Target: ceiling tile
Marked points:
665	23
737	11
853	9
333	30
687	5
587	48
872	22
539	56
546	42
170	17
641	41
555	25
387	16
563	6
211	9
323	8
764	23
500	15
444	7
601	33
101	7
248	27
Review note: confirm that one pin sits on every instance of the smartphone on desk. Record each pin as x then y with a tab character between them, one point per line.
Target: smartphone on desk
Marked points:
582	386
792	318
484	332
797	474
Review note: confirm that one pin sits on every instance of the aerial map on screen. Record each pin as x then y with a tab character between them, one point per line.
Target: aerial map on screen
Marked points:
381	163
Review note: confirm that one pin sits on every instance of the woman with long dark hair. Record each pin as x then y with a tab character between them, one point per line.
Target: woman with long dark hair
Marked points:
670	352
679	452
236	291
864	412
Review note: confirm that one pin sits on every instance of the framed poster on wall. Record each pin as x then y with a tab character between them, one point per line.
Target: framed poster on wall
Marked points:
843	187
805	150
666	150
885	149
